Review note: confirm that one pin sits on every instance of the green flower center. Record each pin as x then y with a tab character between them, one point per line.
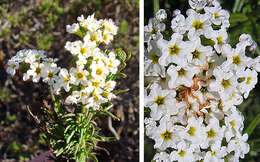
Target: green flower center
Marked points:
196	54
38	70
154	58
167	135
159	100
154	31
182	72
240	80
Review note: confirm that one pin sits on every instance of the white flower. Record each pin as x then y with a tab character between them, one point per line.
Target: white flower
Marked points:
161	157
152	66
178	24
247	80
36	71
216	153
78	76
74	28
225	83
152	30
218	16
220	38
239	145
12	67
236	58
49	73
213	132
113	63
197	4
181	76
99	71
63	81
183	153
160	102
199	54
194	131
165	135
198	24
161	15
173	51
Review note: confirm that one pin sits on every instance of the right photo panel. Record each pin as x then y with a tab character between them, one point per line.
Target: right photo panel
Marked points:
201	90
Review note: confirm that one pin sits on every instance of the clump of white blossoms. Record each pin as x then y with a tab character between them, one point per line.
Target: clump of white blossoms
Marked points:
81	93
91	70
193	81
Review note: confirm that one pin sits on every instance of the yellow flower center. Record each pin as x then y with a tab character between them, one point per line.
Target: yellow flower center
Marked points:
182	153
219	39
67	79
198	25
38	70
50	75
211	133
83	50
192	131
249	80
232	123
182	72
216	15
174	50
236	60
79	75
225	83
99	71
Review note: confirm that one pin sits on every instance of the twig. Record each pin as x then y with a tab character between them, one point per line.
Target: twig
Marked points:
111	128
34	117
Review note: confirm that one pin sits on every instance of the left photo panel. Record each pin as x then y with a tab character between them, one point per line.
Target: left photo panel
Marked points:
69	80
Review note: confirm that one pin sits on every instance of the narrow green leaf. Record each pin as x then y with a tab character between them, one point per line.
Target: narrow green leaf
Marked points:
253	125
238	17
59	151
70	136
116	92
93	157
111	115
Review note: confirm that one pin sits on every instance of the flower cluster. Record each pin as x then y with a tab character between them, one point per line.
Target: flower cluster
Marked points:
194	80
90	80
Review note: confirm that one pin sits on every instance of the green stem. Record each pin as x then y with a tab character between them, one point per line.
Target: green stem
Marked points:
235	6
249	130
240	5
156	6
